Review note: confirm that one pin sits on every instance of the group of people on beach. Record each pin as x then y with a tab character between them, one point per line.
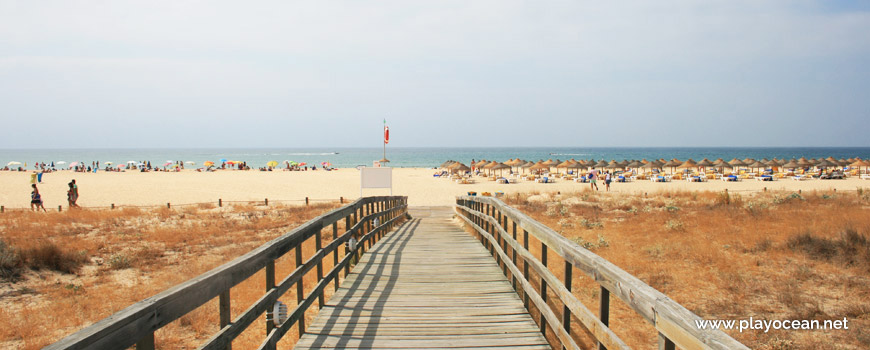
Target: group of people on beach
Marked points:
72	196
594	175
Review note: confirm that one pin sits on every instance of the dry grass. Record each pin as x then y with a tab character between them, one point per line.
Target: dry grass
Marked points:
64	271
769	255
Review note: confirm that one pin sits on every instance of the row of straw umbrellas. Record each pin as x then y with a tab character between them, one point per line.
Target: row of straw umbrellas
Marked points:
673	164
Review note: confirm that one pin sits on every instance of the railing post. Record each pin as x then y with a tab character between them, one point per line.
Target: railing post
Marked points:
566	313
299	291
526	267
225	312
335	252
514	256
665	343
543	288
318	245
604	311
146	343
270	283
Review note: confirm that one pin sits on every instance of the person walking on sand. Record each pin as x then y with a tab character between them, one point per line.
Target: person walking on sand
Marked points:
607	181
74	194
593	177
36	199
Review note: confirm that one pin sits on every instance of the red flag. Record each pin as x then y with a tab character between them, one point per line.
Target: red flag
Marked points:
386	134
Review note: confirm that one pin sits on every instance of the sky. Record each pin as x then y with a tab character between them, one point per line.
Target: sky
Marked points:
500	73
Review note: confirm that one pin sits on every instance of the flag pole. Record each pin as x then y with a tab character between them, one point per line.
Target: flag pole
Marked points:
385	140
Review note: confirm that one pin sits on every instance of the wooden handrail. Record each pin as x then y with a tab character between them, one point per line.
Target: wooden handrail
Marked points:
675	324
136	324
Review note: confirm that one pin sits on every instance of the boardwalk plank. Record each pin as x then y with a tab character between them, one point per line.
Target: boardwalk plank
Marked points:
427	285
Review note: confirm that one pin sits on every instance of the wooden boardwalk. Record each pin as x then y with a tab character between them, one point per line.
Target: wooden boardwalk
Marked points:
427	285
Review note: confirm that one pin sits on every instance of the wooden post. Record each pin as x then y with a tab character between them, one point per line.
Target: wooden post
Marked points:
604	311
341	200
299	291
146	343
168	206
543	288
335	252
665	343
514	256
317	247
566	313
306	201
59	208
2	209
220	202
225	311
270	283
526	267
267	202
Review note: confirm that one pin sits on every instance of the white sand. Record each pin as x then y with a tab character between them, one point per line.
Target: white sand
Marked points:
158	188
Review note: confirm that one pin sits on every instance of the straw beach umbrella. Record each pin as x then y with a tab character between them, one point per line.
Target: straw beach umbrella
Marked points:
860	163
791	164
736	164
500	166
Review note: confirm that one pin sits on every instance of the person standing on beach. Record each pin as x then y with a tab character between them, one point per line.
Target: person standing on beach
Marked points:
593	177
607	181
74	191
36	199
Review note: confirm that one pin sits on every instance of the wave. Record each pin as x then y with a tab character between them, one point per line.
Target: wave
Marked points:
570	154
312	154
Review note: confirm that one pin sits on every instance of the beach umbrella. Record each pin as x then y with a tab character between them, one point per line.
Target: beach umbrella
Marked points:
803	162
208	163
859	163
792	164
653	165
748	161
108	163
459	167
500	166
705	163
73	164
612	165
824	163
167	164
634	164
479	164
773	163
757	164
272	164
688	164
121	166
223	160
13	163
446	164
131	162
600	164
189	162
673	164
736	163
384	160
538	166
61	162
843	162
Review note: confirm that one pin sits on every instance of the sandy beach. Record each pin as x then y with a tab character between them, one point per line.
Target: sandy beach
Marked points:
157	188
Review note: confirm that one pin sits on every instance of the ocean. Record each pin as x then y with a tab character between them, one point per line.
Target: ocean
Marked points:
412	157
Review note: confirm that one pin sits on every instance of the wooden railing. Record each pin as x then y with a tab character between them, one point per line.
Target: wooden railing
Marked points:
676	327
366	219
